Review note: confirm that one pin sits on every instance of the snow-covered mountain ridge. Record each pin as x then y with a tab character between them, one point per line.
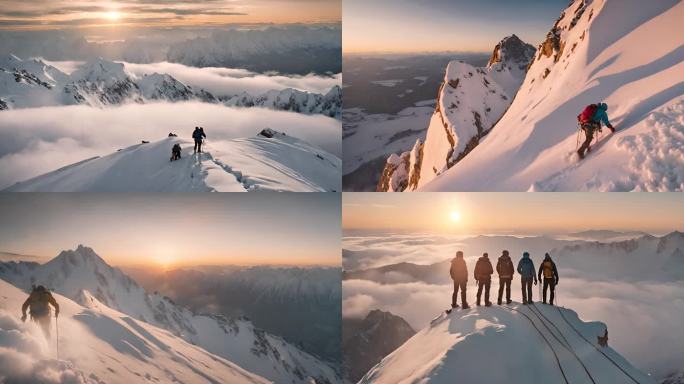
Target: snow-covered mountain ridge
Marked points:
268	161
469	102
100	83
83	276
119	348
551	344
594	52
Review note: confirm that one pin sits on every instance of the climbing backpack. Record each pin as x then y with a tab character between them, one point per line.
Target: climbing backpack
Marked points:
39	303
547	267
587	114
506	268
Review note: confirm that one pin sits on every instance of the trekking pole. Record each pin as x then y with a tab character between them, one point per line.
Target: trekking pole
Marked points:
540	290
57	335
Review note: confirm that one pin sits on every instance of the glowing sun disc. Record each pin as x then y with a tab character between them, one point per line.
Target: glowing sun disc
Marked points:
113	15
455	216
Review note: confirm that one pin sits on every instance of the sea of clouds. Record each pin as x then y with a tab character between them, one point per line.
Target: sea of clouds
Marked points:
34	141
221	81
643	317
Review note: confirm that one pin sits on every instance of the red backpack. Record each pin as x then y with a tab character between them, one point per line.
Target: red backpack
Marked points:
587	114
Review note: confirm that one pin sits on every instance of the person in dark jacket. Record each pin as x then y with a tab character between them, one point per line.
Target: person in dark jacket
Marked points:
504	267
176	152
594	125
526	271
198	134
39	302
548	269
459	274
483	276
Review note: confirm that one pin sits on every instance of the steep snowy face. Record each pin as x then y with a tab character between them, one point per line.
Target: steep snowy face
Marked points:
100	345
101	82
469	102
509	62
276	162
83	276
163	87
535	343
369	340
591	54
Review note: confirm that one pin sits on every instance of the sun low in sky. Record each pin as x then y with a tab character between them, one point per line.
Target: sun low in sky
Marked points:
513	213
57	14
176	230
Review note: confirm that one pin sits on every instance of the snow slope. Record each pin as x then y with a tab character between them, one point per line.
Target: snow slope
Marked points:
279	163
596	51
502	345
469	102
236	340
101	345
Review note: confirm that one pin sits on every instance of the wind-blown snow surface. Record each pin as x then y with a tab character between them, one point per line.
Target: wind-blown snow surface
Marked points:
622	283
37	141
236	340
499	345
594	53
280	163
100	345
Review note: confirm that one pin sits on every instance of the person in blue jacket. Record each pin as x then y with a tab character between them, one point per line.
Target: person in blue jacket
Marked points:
527	275
592	125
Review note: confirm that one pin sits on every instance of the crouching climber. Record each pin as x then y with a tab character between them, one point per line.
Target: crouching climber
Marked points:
176	152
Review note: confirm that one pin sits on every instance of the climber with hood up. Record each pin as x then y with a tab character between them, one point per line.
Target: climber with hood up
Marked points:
548	269
39	302
590	122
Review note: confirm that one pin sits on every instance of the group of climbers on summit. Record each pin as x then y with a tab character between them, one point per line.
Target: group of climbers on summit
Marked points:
504	268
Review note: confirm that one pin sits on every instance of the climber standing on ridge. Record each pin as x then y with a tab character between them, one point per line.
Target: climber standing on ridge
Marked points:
483	276
39	302
504	267
548	267
459	274
198	134
590	121
526	271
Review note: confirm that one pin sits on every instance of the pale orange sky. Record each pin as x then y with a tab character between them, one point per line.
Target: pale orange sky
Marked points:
57	14
516	213
172	230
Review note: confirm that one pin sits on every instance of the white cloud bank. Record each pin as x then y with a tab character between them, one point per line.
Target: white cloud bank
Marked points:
222	81
34	141
25	356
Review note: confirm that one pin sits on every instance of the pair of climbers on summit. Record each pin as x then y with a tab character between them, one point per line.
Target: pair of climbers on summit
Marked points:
198	136
38	303
504	268
590	122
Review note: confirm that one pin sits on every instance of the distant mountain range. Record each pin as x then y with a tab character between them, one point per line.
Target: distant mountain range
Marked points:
100	83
